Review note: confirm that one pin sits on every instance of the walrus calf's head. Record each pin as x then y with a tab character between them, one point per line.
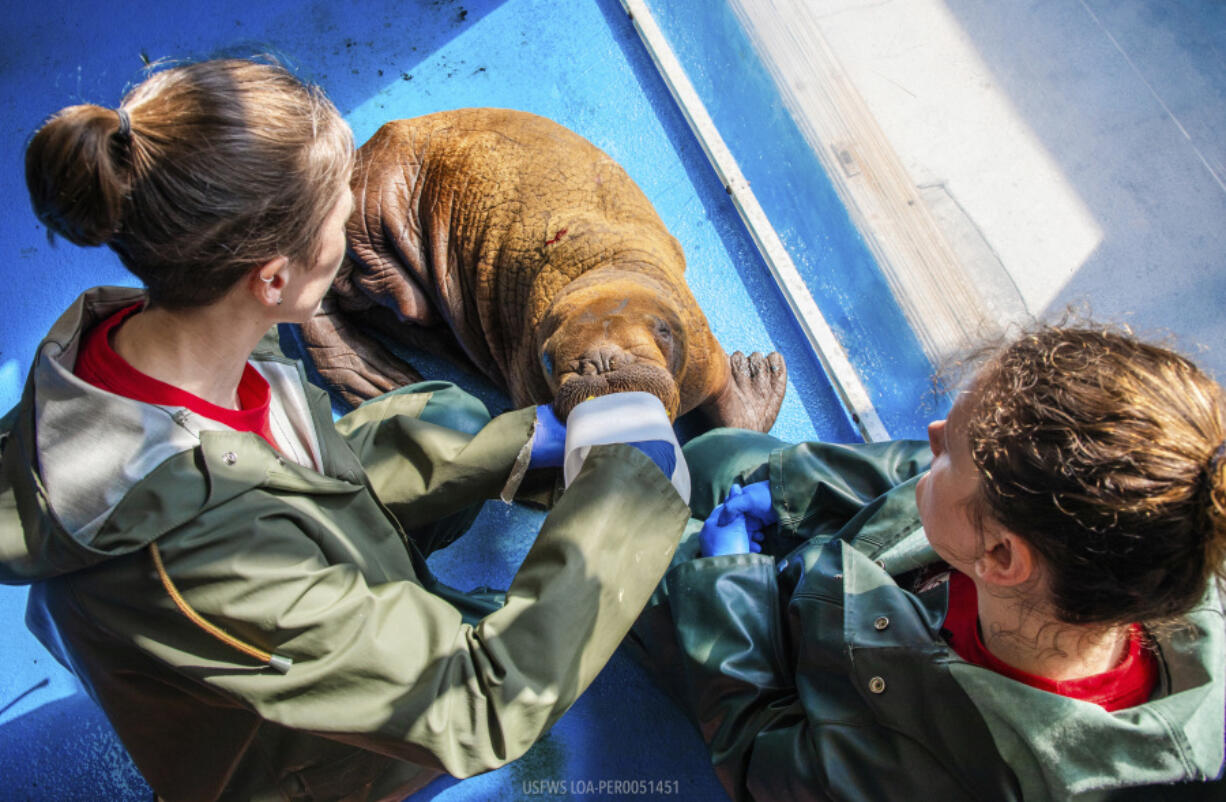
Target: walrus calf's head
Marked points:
608	334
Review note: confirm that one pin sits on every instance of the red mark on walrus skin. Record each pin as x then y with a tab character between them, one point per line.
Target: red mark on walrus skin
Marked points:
561	233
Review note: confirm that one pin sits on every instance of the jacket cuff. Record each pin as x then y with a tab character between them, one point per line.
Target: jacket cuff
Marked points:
519	468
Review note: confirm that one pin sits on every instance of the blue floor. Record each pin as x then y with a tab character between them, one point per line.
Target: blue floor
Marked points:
580	63
802	205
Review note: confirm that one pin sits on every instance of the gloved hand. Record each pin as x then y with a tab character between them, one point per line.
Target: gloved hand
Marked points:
661	453
729	532
548	439
753	501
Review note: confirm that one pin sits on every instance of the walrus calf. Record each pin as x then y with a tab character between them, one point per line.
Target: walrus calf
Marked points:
506	240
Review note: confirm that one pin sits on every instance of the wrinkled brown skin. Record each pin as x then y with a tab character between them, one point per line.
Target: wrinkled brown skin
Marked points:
520	242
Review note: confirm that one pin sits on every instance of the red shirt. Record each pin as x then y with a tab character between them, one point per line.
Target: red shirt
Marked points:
1129	683
98	364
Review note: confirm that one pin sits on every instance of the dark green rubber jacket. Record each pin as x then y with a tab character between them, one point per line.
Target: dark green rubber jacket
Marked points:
817	669
394	678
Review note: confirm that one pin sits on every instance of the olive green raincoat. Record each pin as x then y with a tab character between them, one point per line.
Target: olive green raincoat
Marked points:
822	673
263	626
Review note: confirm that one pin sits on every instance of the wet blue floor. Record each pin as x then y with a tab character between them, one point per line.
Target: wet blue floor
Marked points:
578	63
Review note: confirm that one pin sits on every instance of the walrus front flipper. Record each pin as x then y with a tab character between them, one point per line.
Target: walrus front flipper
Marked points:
753	394
353	365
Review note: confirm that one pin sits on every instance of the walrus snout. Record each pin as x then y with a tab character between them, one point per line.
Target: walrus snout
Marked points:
621	373
606	342
603	359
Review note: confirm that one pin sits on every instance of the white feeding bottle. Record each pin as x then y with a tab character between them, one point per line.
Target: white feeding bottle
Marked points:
621	418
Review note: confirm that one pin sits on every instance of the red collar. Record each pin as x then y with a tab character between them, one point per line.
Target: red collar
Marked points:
1128	684
101	366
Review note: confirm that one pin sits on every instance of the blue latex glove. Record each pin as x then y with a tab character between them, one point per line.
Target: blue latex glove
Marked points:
727	532
548	439
660	452
753	501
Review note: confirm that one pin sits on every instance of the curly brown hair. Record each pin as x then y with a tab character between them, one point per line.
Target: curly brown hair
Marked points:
218	167
1105	453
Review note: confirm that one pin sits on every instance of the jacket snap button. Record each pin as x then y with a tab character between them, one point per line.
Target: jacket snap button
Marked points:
876	685
881	623
229	458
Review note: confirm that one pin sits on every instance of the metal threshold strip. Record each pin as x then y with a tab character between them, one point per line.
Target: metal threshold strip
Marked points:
825	345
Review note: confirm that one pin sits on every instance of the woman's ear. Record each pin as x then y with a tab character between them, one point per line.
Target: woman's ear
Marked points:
1007	560
267	281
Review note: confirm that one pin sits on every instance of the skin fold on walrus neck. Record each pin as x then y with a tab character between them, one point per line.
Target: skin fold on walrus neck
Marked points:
506	242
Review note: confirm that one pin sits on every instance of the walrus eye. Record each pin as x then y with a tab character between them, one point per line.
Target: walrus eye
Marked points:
663	332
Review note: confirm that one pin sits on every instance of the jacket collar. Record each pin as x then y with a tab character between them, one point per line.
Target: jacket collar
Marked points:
78	493
1055	745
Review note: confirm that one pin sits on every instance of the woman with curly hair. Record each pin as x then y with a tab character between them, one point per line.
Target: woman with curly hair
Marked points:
1024	607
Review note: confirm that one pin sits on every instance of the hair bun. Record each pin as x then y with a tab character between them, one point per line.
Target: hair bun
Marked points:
75	175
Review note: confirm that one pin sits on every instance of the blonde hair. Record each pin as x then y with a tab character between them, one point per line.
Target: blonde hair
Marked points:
220	166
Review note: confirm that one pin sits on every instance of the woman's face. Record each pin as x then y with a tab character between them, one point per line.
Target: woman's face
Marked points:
311	282
942	494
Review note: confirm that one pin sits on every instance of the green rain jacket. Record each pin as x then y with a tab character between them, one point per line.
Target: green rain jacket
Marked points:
822	674
390	684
